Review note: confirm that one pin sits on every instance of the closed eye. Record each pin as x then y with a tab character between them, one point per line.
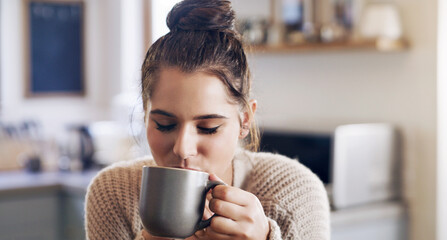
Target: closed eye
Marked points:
164	128
208	130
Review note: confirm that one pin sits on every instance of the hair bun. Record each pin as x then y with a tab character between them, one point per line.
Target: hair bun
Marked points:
211	15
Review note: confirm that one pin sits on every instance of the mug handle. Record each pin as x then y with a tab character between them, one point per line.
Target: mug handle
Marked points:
205	223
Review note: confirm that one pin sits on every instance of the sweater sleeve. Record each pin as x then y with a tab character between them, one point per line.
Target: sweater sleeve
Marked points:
111	211
294	199
275	231
103	218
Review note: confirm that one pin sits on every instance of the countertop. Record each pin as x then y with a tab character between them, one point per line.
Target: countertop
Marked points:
19	181
376	211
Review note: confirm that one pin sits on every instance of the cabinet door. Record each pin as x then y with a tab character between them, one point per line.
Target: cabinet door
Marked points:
73	215
29	216
383	229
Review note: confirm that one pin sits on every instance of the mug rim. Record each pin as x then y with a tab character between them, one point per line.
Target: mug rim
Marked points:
174	168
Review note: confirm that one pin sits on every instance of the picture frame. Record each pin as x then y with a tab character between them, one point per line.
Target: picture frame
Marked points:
55	54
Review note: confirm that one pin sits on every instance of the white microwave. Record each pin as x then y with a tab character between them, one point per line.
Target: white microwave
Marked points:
358	163
365	166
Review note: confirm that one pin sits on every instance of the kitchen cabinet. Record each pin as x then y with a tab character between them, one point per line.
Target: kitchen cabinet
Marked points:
50	206
382	220
43	206
30	215
72	212
54	213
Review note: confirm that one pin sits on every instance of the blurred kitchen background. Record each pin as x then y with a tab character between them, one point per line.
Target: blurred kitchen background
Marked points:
355	89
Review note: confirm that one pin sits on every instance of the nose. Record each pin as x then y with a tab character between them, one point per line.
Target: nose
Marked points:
185	146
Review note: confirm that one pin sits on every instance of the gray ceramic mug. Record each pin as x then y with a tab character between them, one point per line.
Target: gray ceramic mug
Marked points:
172	201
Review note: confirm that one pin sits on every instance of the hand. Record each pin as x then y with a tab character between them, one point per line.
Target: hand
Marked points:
239	215
147	236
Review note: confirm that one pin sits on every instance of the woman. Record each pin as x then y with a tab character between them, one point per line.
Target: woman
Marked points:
195	88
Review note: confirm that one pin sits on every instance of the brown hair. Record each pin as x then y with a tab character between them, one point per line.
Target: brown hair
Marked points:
202	38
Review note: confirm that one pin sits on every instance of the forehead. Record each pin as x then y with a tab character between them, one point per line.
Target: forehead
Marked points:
197	91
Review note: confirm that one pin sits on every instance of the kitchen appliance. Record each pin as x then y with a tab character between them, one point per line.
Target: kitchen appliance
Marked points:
115	142
364	166
311	149
78	150
358	163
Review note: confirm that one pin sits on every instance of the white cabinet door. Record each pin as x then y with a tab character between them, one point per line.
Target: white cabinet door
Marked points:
384	221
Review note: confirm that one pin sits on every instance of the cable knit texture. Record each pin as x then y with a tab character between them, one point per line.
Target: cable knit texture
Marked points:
294	199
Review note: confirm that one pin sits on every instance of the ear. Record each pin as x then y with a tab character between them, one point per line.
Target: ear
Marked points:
247	119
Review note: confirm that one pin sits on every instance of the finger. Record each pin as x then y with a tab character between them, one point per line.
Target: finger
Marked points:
223	225
200	234
209	195
234	195
207	213
146	235
227	209
193	237
210	233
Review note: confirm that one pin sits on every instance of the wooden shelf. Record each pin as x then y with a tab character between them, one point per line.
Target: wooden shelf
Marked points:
373	45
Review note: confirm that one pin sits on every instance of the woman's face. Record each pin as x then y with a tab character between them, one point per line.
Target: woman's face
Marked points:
192	124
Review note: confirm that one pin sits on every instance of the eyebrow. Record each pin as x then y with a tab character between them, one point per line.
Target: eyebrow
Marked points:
201	117
161	112
209	116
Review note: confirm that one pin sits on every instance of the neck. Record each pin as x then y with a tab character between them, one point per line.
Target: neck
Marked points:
228	175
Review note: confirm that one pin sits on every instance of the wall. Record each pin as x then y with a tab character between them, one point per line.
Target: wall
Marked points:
102	65
319	91
442	121
323	90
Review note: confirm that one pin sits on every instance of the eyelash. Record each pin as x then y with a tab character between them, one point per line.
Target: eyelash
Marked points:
209	130
164	128
167	128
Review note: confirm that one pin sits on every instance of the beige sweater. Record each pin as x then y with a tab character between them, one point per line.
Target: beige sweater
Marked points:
293	198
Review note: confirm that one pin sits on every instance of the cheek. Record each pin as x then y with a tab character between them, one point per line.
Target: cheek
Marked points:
158	143
222	148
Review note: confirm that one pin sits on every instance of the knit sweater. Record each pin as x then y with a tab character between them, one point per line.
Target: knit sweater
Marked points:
293	198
